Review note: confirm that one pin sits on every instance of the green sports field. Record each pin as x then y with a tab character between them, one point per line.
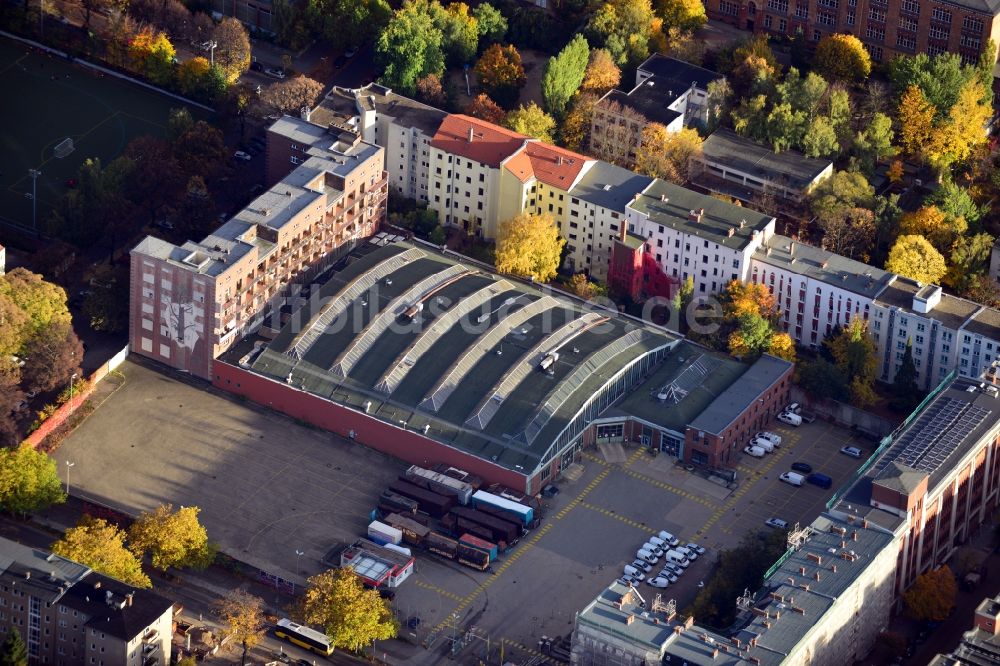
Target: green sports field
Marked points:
46	99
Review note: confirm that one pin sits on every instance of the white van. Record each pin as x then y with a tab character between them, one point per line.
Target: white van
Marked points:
646	556
790	418
677	557
634	573
654	549
754	451
657	541
792	478
794	408
763	443
669	538
774	439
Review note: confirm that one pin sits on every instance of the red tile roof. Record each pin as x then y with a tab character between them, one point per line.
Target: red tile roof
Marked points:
549	164
490	144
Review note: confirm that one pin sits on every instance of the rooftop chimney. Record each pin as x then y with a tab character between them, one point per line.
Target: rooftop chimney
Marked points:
559	160
854	535
27	575
664	198
791	249
833	568
471	134
816	576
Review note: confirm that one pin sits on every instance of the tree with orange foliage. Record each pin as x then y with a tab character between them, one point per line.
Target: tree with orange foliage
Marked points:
916	121
501	74
748	298
602	74
484	108
152	55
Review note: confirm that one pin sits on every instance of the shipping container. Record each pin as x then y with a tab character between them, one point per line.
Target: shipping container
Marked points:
442	545
398	503
514	496
456	526
459	474
502	529
439	483
472	557
431	503
524	514
472	541
382	534
413	532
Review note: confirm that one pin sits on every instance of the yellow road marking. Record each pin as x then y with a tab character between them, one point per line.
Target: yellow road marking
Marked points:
619	517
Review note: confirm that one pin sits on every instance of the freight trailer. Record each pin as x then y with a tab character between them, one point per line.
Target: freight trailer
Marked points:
472	557
413	532
523	514
514	496
439	483
472	541
397	503
459	474
382	534
458	525
501	529
441	544
429	502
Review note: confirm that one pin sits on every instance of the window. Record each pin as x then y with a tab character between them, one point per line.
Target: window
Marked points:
969	42
782	25
826	18
907	23
767	20
972	23
801	11
942	15
876	14
294	160
616	430
906	42
938	32
780	6
730	8
850	17
876	33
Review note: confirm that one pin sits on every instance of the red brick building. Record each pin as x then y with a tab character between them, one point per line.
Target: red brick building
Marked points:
886	27
634	272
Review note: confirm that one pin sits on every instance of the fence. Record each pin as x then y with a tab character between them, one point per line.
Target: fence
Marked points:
77	398
843	414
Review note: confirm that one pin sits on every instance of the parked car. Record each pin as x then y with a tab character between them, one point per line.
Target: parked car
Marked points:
700	550
669	574
241	155
677	570
688	553
754	451
776	522
276	73
774	439
852	451
658	582
255	66
794	408
792	478
669	538
805	468
550	491
632	572
790	418
763	443
821	480
626	581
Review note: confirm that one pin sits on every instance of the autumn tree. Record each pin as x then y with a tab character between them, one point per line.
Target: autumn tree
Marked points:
964	129
11	396
854	352
932	595
351	616
191	75
484	108
531	121
932	224
501	74
172	538
624	28
13	651
849	231
152	55
529	245
602	74
842	57
575	130
53	355
581	286
916	121
564	74
916	258
895	172
243	619
291	95
667	155
232	52
970	256
29	480
101	546
430	91
687	15
42	302
740	299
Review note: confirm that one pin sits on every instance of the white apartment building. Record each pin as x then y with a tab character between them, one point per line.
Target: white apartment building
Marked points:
694	235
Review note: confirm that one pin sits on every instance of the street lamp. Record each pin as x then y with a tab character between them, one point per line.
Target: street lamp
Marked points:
68	465
72	379
298	557
34	173
211	51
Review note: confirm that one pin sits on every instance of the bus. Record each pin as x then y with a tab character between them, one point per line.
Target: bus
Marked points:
304	637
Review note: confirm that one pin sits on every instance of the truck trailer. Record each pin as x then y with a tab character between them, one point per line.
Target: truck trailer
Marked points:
472	541
523	514
439	483
501	529
413	532
431	503
382	534
441	544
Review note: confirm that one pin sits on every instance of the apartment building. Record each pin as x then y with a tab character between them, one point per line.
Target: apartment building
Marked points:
67	614
886	27
190	302
667	91
738	167
697	236
403	126
981	644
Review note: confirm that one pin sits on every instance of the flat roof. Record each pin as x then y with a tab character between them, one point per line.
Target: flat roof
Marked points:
647	100
677	74
741	393
795	170
466	365
343	103
833	269
689	380
951	311
672	206
609	186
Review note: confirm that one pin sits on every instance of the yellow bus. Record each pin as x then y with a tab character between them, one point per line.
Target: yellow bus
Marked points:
304	637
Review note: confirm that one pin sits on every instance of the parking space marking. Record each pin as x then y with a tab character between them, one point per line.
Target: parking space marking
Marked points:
669	488
597	459
515	644
635	456
586	491
617	516
435	588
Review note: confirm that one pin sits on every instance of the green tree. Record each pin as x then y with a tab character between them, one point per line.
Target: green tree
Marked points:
688	15
459	31
914	257
820	138
44	303
803	94
874	142
842	190
939	78
751	338
785	127
955	201
29	480
351	616
13	652
492	24
501	74
529	245
932	595
624	28
840	112
172	538
563	75
823	379
243	621
531	121
101	546
970	256
842	57
904	384
409	49
855	353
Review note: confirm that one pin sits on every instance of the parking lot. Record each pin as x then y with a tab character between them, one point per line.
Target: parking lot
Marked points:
268	487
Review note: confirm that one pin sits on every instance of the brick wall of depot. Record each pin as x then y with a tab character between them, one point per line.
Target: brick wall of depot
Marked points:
407	445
